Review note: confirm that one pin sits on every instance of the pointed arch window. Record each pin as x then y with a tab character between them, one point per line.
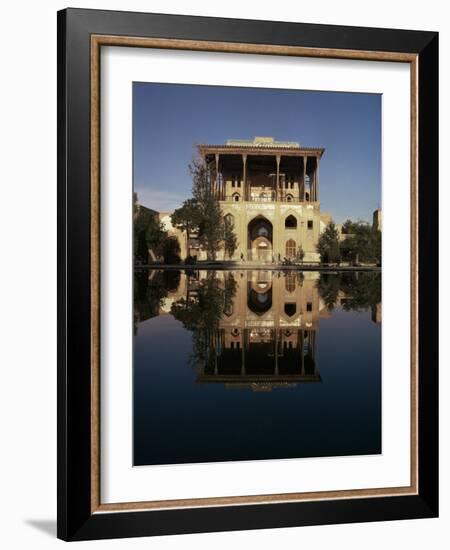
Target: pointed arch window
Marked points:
290	222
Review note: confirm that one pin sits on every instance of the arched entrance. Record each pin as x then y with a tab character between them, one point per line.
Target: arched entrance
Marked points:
290	249
260	240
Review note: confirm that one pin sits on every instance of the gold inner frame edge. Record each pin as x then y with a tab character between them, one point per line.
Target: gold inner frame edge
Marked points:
97	41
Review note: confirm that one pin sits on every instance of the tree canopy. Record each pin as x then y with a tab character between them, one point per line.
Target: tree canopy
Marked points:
363	244
202	214
229	238
328	244
188	217
148	232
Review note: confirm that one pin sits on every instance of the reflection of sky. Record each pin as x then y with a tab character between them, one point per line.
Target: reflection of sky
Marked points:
170	119
178	420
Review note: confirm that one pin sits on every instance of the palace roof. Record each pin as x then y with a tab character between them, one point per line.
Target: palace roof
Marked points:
259	143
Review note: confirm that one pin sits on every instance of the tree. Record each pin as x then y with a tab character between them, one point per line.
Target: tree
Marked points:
229	238
155	235
211	231
329	286
211	224
328	245
300	254
187	218
170	250
347	227
148	231
363	244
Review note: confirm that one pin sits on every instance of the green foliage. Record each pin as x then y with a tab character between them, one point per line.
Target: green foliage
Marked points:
200	312
362	245
360	290
328	286
204	308
150	288
148	232
328	245
229	238
188	217
347	227
300	254
211	225
170	250
211	234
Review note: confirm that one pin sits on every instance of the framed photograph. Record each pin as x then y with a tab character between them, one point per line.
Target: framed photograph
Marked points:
248	299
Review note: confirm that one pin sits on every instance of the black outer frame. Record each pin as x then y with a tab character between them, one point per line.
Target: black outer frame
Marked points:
75	521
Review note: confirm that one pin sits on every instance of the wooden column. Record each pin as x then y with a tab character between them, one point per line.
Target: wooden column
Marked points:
278	176
244	177
305	160
317	178
216	182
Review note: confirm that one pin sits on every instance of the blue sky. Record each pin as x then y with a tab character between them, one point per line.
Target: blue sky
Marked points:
170	119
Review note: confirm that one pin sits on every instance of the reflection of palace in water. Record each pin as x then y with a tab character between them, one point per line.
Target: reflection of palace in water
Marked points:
266	335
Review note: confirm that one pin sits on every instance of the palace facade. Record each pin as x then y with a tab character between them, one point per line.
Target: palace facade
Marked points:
269	191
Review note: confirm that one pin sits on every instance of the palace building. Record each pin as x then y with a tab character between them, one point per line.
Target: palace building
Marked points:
269	191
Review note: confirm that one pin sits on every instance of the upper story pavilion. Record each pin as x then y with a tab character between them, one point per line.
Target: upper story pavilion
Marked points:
264	170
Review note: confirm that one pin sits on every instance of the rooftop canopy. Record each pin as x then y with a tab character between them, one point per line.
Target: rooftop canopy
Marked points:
260	145
260	141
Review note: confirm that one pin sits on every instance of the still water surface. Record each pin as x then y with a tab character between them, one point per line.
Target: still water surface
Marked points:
247	365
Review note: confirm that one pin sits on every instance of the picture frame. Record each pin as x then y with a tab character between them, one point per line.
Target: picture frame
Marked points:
81	36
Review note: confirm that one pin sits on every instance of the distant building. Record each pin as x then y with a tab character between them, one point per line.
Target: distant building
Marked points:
142	216
141	212
341	234
377	219
166	220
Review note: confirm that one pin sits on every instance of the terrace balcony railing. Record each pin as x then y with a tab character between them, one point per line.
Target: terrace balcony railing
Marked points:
264	199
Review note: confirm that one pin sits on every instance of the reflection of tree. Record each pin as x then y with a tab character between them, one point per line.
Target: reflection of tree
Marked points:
141	307
328	286
360	290
149	292
201	311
